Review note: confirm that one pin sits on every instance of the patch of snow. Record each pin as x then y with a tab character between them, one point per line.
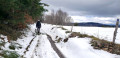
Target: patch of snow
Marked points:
4	37
100	32
80	48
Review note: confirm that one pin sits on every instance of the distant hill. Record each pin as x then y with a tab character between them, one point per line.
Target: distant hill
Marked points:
94	24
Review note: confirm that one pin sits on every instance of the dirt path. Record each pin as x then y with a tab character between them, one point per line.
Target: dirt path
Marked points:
55	48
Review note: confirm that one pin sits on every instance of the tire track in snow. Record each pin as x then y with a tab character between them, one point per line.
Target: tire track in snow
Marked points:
28	46
34	52
44	52
60	54
54	47
52	44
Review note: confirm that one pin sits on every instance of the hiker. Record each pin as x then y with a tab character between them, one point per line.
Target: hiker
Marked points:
38	26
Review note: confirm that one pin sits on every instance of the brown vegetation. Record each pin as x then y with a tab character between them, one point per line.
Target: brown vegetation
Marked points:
65	40
28	19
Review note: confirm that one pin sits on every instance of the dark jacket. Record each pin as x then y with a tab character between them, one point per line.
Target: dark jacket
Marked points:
38	24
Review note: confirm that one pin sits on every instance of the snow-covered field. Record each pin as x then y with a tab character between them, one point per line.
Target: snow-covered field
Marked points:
100	32
74	48
80	47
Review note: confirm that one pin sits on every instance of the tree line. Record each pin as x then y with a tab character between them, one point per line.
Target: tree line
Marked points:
14	12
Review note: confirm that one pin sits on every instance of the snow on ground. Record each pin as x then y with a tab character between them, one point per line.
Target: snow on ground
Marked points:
100	32
25	40
4	40
44	49
31	49
78	47
39	48
54	31
74	48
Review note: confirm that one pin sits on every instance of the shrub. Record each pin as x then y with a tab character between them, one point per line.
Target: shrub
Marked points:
10	54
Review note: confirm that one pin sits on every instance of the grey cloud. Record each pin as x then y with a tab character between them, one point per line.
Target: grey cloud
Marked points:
88	7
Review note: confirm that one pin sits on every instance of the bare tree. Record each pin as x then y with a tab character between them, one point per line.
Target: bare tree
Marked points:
58	18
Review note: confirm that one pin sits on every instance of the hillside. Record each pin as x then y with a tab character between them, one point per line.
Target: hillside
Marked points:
95	24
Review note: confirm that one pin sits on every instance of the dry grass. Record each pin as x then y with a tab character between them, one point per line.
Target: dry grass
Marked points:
74	34
68	32
65	40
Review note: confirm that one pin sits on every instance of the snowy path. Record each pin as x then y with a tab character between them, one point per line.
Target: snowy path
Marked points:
44	49
29	50
37	54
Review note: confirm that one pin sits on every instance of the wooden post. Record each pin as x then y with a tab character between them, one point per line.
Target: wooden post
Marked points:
115	32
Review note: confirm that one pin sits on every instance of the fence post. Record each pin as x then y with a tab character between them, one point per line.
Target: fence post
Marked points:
71	28
115	32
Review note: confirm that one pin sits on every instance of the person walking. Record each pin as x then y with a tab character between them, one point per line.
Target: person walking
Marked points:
38	26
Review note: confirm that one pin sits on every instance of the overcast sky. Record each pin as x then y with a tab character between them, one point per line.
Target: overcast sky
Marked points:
101	11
